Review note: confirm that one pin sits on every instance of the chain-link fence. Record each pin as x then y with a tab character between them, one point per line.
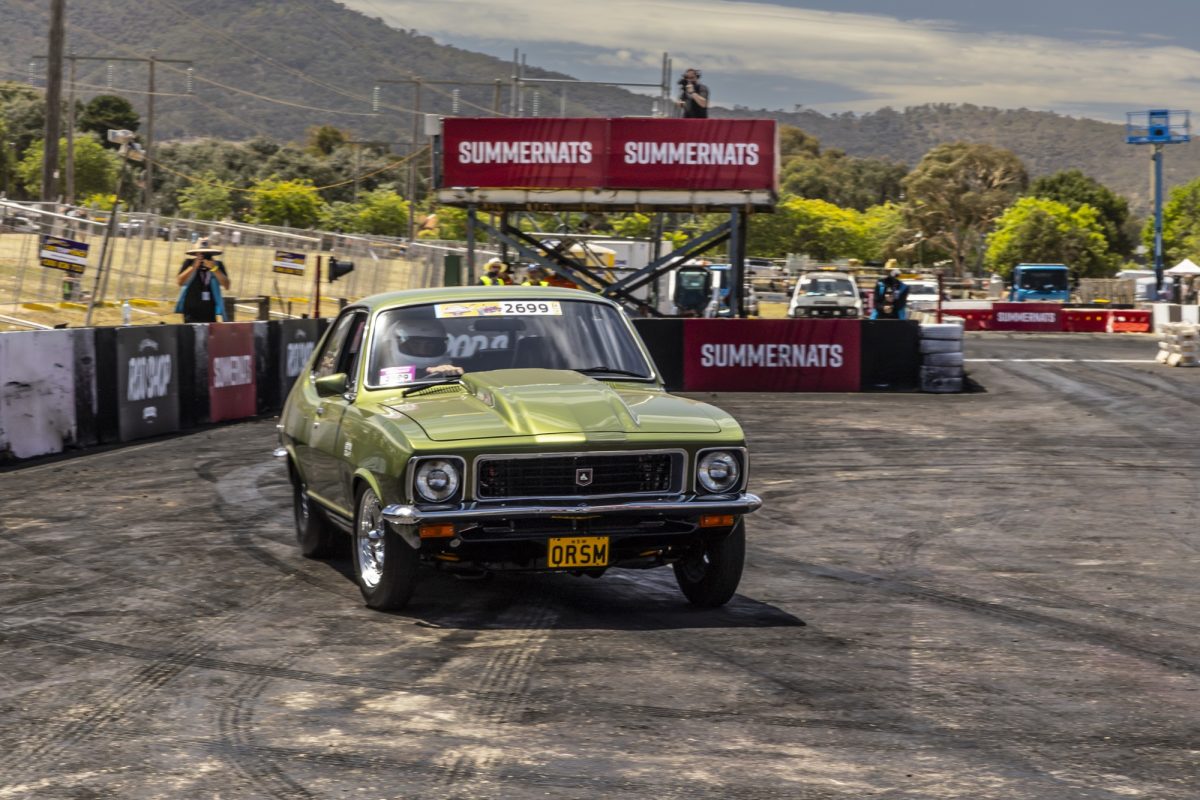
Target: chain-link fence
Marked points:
145	252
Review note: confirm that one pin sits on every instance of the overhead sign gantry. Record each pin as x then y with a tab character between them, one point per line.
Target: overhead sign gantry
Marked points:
506	166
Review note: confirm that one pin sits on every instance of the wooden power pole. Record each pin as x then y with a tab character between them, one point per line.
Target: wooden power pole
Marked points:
53	101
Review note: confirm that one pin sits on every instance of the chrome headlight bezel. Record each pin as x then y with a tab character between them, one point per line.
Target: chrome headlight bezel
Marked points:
426	471
733	461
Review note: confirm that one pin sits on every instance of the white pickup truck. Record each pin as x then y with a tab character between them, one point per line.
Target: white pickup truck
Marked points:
826	294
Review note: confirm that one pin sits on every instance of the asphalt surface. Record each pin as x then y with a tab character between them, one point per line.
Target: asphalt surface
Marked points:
991	595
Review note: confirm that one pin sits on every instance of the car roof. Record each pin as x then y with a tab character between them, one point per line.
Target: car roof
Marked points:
460	294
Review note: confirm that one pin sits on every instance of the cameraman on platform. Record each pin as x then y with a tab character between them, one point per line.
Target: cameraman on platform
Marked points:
693	95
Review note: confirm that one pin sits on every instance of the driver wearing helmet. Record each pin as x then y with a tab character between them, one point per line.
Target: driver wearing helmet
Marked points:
422	344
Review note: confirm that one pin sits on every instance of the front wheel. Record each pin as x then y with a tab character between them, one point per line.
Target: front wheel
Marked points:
709	577
384	565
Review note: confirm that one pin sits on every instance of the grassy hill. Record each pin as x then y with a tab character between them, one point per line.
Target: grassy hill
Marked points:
318	62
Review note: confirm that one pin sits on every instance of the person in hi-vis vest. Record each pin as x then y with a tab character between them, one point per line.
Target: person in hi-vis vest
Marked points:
492	273
535	276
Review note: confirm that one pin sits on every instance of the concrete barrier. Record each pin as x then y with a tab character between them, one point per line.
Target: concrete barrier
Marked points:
1179	345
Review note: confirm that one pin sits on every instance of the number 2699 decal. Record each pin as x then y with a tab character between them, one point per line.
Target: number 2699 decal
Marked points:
531	308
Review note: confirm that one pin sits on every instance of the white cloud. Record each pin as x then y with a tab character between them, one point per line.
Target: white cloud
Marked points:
885	61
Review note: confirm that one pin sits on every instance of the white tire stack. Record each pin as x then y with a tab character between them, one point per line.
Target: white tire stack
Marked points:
942	358
1179	345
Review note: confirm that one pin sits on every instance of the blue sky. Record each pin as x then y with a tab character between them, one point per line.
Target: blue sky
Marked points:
1094	58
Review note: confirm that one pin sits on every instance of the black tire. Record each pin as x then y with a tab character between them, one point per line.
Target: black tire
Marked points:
385	567
316	537
710	577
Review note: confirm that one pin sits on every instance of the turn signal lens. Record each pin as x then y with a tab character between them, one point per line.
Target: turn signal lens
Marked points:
716	521
436	531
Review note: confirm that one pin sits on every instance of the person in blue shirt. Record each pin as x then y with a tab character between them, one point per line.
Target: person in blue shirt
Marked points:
891	297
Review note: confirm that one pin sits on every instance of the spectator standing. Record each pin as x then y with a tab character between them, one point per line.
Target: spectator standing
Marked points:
693	95
202	277
492	273
891	297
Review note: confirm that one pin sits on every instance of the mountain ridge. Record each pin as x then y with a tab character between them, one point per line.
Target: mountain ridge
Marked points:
319	61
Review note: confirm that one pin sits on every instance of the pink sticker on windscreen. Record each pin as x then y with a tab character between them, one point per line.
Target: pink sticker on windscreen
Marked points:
397	376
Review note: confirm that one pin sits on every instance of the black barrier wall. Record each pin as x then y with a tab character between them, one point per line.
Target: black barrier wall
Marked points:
148	381
130	383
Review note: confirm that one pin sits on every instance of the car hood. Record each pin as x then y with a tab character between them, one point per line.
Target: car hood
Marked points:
533	402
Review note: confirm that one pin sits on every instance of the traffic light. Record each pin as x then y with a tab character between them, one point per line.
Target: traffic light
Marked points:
339	268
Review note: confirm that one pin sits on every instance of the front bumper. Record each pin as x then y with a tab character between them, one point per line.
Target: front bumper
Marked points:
744	503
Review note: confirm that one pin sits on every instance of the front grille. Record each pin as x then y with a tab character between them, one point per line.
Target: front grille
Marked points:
568	476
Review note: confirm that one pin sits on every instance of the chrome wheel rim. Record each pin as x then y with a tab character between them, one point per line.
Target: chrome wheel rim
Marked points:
369	540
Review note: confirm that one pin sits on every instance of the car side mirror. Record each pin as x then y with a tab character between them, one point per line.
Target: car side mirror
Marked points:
331	385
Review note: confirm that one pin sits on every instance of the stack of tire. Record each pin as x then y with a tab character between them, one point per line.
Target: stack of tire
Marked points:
942	358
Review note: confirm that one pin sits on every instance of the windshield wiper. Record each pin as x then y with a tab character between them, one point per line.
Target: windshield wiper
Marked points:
430	384
602	370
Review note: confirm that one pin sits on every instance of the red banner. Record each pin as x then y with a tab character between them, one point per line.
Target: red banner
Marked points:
638	153
735	355
691	154
524	153
1027	317
231	383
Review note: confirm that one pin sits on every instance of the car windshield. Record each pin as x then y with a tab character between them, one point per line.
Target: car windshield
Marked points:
1039	280
836	286
417	344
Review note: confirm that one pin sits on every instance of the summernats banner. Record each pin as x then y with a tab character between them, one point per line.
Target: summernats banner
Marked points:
231	372
734	355
1027	317
636	153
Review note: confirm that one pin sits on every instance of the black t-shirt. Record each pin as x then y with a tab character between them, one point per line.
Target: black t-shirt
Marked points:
199	303
692	109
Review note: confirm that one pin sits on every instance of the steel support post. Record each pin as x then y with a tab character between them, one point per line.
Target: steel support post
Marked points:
472	221
1158	219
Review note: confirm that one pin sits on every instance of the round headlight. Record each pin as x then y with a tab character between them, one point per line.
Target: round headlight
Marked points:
437	480
718	471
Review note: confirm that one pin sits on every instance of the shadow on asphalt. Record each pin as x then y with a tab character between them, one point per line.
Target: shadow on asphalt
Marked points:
624	600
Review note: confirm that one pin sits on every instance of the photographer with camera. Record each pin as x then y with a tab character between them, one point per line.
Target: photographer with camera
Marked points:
202	277
693	95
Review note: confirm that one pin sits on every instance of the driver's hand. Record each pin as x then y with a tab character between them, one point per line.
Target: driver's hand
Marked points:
446	370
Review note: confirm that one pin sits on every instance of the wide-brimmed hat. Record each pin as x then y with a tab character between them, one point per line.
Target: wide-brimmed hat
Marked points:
203	247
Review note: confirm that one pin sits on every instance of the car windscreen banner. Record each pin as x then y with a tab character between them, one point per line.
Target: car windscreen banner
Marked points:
637	153
147	381
734	355
297	340
1043	317
231	378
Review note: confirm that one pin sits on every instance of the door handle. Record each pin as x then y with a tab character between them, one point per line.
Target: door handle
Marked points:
319	410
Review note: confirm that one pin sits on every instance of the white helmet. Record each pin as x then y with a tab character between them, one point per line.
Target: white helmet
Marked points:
420	342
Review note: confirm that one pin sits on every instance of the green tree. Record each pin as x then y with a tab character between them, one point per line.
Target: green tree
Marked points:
635	225
384	213
1038	231
1075	189
816	227
1181	224
95	167
108	111
293	203
322	140
206	200
340	216
955	194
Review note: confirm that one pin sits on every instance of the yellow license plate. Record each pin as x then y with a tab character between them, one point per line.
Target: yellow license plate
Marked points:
578	551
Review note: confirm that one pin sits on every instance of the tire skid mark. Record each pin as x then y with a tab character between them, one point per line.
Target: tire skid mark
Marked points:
235	723
112	702
996	749
1075	631
472	768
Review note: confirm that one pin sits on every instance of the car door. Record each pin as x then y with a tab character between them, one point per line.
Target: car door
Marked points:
321	458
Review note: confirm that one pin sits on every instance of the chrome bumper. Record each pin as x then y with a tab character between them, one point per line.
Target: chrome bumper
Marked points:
411	515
